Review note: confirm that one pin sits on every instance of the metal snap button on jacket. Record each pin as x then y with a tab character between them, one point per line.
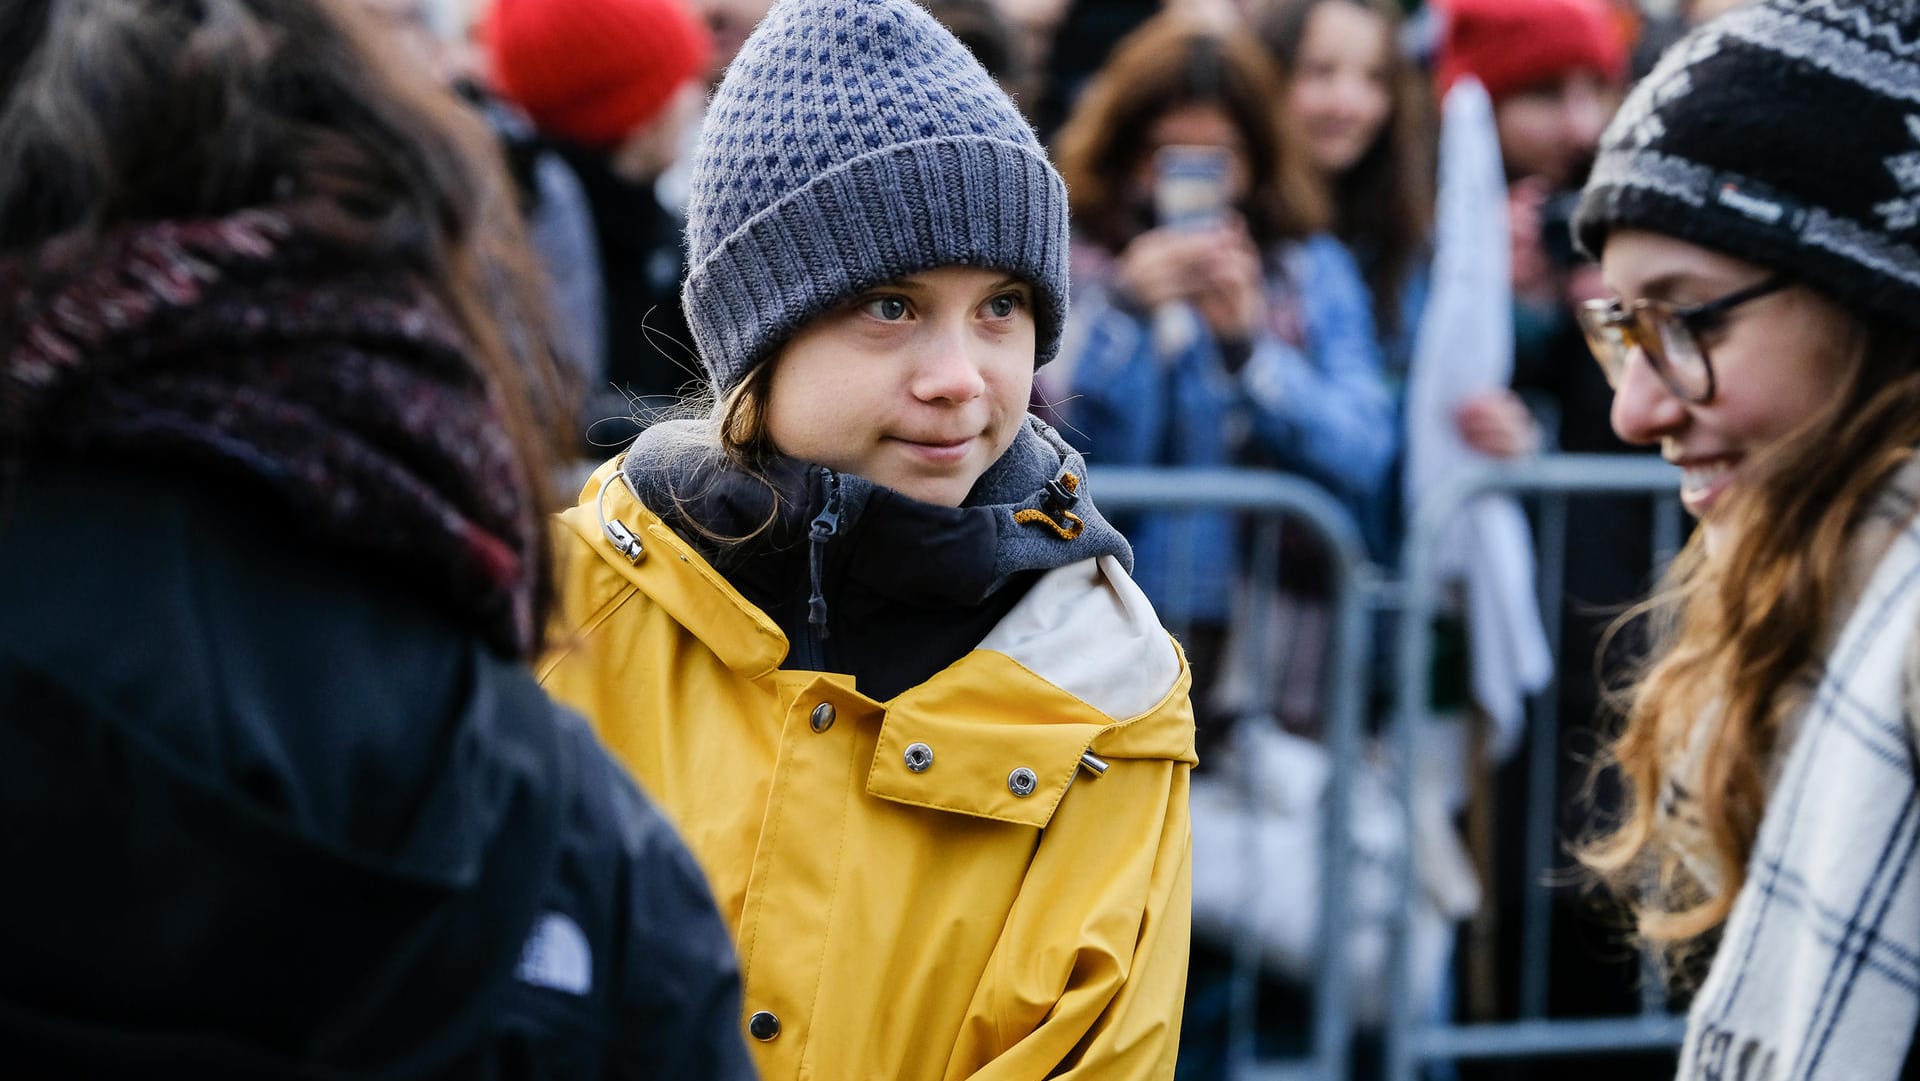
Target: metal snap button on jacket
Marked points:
1021	782
822	718
763	1026
919	757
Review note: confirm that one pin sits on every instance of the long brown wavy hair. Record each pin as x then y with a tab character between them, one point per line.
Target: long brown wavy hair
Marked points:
122	111
1735	640
1167	64
1383	206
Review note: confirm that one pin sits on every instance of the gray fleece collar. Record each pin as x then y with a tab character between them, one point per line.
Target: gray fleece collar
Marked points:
1036	494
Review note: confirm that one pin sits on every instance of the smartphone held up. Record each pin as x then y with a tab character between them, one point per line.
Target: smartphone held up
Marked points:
1190	187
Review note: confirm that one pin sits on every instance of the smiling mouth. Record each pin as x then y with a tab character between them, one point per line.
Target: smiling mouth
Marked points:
1702	482
938	450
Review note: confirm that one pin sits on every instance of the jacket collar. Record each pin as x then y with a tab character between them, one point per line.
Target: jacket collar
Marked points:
1082	655
1028	512
636	549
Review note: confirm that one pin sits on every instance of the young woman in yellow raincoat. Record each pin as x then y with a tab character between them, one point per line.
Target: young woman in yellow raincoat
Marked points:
862	632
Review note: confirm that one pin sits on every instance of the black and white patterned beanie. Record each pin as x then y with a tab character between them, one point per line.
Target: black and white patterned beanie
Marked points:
1785	133
853	142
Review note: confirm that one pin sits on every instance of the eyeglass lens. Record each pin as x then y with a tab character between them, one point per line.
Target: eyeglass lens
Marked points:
1670	347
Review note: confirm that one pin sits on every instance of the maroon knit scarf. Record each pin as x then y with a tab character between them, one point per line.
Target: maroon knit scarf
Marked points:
239	348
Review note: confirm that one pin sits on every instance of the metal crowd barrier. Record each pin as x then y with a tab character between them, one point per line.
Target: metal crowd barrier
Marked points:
1268	497
1411	1041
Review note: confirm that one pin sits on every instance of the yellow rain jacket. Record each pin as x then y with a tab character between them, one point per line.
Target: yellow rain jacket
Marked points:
987	876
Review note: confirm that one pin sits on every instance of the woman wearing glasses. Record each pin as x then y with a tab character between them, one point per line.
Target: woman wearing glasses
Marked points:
1756	209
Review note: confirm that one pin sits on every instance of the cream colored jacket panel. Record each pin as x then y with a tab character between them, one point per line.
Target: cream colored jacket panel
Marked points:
928	923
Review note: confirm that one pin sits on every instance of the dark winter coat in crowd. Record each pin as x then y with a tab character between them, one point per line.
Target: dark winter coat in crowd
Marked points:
648	346
560	231
283	800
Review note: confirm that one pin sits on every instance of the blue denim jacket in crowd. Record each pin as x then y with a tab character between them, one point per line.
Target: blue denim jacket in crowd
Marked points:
1153	388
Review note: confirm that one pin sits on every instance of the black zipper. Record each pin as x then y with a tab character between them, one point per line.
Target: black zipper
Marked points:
824	527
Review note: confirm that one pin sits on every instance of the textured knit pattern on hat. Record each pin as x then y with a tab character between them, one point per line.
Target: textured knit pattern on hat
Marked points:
1785	133
593	71
855	142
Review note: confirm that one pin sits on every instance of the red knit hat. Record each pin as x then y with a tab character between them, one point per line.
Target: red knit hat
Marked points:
1510	45
592	71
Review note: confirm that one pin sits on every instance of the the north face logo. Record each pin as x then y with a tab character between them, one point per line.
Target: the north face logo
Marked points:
556	956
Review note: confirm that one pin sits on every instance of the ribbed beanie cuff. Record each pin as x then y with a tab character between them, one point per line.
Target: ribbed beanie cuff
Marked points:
896	211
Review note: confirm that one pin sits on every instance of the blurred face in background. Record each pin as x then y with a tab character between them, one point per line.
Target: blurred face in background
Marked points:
1551	129
1699	11
1227	15
1338	96
656	144
1035	20
1195	124
730	21
404	24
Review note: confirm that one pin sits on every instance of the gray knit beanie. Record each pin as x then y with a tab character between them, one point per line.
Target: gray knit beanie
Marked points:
854	142
1785	133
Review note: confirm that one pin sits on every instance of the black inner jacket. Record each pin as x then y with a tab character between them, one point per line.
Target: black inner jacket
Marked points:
907	586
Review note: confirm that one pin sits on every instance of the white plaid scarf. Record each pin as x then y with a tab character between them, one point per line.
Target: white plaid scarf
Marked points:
1818	974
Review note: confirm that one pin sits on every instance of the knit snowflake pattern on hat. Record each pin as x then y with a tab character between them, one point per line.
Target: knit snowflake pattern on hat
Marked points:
853	142
1903	213
1785	133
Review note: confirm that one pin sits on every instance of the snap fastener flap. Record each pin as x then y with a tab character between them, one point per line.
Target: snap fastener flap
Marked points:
822	718
919	757
763	1026
1021	782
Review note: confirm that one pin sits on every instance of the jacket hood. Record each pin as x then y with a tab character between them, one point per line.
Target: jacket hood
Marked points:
1031	506
863	579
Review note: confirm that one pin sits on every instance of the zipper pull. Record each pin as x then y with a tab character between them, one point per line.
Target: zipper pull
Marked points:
827	523
823	528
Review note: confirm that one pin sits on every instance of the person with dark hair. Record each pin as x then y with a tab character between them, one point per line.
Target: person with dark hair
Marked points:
275	430
1756	210
1068	41
610	86
549	197
1554	71
1241	338
860	625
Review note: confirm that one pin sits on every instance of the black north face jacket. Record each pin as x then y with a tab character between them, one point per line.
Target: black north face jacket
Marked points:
267	817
